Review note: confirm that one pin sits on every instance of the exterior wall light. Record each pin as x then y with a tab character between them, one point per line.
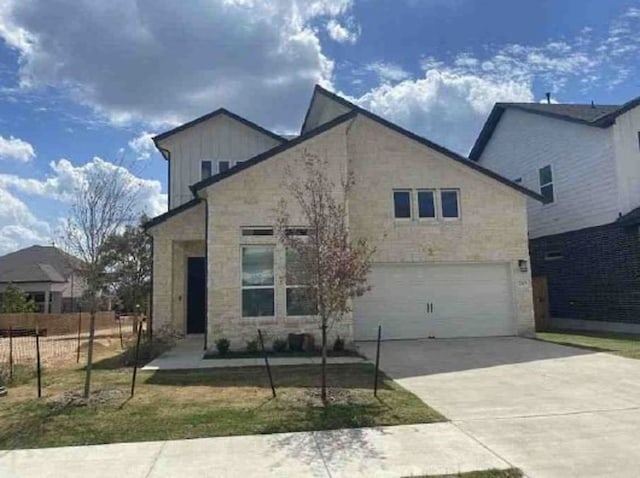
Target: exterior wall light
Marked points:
522	264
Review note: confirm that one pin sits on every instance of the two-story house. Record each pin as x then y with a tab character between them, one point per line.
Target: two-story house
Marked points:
451	241
585	160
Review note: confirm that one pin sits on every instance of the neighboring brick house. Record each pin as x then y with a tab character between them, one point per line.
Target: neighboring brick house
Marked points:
451	237
585	159
47	275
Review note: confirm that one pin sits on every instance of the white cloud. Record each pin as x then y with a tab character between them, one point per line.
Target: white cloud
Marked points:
446	106
66	178
451	100
142	145
16	149
167	65
342	34
18	226
387	71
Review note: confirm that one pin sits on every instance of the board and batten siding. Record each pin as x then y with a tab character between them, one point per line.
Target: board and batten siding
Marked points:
627	152
220	138
583	164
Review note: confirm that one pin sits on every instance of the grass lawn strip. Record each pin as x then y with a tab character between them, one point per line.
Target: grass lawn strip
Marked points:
624	345
509	473
200	403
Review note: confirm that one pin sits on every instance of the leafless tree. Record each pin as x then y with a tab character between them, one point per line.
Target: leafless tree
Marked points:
102	204
332	267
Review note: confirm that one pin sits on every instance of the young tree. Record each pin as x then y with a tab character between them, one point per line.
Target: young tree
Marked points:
102	204
128	258
14	300
331	265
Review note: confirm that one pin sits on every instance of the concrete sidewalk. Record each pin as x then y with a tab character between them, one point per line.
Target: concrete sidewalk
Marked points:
398	451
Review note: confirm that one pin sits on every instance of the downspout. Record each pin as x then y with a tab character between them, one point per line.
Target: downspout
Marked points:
206	273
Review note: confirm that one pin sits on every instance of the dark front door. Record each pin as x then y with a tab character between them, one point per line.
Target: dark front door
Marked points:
196	290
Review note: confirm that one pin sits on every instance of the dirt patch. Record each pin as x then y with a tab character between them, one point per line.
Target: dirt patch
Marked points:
75	398
335	396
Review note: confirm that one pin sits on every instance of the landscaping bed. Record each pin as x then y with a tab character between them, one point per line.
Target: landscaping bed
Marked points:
508	473
271	353
200	403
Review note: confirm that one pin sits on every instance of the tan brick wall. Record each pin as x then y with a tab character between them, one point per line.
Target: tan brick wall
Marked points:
174	240
493	224
250	199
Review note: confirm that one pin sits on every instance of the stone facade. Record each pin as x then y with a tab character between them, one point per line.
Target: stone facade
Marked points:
492	228
174	240
592	274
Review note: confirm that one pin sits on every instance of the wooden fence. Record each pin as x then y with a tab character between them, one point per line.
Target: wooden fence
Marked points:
58	324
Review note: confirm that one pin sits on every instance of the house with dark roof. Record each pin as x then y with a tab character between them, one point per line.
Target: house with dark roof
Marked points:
46	274
584	159
451	240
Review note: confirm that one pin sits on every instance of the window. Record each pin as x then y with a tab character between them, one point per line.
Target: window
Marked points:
449	202
300	300
402	204
297	231
257	282
553	256
546	184
257	231
223	166
205	169
426	205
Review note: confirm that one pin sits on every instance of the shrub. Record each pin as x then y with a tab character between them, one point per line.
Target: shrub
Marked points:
223	346
252	346
338	345
279	345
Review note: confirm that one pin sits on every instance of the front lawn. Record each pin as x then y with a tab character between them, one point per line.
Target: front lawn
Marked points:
200	403
625	345
509	473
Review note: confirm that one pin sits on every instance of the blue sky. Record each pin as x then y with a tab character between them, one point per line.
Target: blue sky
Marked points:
81	80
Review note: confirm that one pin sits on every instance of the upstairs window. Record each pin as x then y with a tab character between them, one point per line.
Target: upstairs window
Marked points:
450	203
223	166
426	204
402	204
546	184
205	169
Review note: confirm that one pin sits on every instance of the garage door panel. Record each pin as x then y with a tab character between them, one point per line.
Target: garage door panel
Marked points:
467	300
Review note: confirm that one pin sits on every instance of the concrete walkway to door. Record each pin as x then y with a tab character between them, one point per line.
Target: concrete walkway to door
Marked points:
551	410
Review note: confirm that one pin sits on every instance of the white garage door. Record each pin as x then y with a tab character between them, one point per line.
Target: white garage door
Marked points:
443	300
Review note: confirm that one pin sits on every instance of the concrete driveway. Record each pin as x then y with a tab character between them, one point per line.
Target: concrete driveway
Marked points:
552	411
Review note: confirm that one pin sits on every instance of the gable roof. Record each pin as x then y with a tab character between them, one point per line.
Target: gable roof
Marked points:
169	214
354	111
271	152
430	144
37	264
213	114
599	116
631	218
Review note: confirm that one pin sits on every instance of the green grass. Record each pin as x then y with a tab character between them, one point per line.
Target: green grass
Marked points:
203	403
509	473
624	345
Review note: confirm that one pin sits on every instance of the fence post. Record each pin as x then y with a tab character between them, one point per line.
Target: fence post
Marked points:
135	363
266	362
79	333
11	353
120	330
375	379
38	364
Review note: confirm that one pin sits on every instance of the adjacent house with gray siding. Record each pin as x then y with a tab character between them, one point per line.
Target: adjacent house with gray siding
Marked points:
451	236
585	160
